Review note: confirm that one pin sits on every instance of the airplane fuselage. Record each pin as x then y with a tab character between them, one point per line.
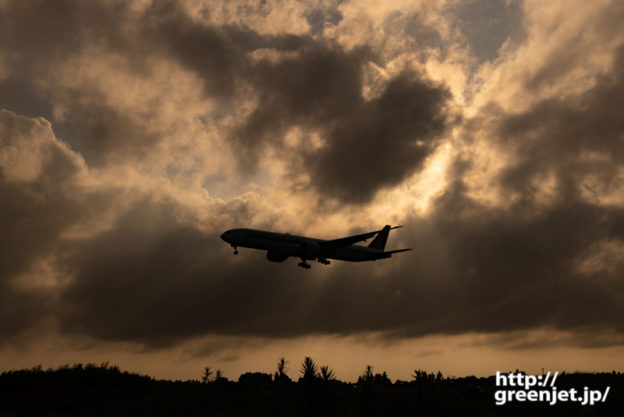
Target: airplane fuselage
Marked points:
286	245
281	246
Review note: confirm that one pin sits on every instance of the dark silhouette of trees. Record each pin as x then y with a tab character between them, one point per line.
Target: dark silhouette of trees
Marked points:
327	374
207	375
367	375
280	375
281	366
421	376
85	376
105	390
368	378
308	369
255	380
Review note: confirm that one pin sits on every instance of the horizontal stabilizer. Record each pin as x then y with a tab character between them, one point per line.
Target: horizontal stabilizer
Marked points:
390	252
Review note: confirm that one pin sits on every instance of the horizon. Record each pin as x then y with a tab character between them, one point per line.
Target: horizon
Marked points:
211	375
458	360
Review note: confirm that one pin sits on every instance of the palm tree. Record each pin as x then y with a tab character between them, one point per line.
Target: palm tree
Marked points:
281	367
207	375
367	376
419	375
280	374
308	369
327	374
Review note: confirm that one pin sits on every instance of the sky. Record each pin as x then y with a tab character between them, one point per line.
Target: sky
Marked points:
133	133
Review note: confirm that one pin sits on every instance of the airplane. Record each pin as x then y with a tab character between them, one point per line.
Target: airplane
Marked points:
281	246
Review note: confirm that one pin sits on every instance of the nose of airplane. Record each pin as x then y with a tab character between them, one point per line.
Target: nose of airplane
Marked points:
224	236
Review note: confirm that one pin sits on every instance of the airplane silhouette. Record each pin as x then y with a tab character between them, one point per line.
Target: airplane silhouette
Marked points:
281	246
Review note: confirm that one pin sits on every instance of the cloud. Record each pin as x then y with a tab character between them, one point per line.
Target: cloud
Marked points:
55	30
366	144
156	281
41	193
37	173
473	268
487	26
314	84
382	141
572	137
152	111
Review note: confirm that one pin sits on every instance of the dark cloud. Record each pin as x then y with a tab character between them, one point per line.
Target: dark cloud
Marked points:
368	145
41	37
216	57
54	30
317	86
487	25
154	279
514	269
560	136
518	267
382	141
318	19
18	94
571	55
100	132
40	200
37	208
412	24
473	267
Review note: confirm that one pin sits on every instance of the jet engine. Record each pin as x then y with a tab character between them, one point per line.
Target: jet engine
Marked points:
276	256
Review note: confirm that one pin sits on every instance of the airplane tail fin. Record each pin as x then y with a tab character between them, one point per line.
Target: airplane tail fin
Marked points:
382	237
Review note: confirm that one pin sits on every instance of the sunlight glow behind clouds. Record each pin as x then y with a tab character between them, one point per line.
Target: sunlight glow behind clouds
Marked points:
134	133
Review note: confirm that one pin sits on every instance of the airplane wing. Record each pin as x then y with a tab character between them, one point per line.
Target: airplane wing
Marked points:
350	240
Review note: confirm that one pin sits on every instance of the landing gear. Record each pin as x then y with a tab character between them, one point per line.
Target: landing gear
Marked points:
235	249
323	261
303	264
